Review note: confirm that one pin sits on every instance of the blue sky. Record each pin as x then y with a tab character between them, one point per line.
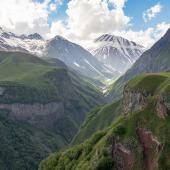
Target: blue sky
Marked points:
81	21
133	8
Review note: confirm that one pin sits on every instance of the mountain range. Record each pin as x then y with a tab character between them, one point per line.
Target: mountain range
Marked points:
110	58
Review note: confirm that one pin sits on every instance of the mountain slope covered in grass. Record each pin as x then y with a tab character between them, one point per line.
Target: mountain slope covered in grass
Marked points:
138	139
42	105
98	119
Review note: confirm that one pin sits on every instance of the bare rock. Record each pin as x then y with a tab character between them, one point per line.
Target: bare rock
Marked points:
161	109
151	148
37	114
134	100
123	157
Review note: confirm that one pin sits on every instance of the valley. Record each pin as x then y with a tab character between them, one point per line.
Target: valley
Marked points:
66	107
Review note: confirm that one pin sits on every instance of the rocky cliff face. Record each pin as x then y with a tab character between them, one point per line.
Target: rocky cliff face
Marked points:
36	114
137	100
151	148
134	100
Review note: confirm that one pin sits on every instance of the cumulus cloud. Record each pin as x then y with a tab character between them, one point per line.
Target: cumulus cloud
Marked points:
145	37
55	4
24	16
87	18
151	12
118	3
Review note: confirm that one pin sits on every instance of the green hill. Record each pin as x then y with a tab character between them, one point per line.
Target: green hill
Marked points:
98	119
138	139
42	105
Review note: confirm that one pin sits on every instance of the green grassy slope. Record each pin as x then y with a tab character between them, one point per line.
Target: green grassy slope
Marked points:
96	152
98	119
27	80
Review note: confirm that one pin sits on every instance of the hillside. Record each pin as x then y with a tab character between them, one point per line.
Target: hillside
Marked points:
138	139
156	59
98	119
42	105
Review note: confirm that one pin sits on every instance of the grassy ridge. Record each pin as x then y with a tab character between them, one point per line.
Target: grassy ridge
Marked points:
98	119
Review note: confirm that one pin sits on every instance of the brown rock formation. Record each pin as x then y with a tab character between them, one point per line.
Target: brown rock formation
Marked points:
161	110
151	148
161	107
134	100
123	157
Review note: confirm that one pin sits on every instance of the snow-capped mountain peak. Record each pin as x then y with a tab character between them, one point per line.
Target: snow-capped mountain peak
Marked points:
58	37
32	43
35	36
116	52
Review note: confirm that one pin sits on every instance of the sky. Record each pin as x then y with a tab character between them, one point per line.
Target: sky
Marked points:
81	21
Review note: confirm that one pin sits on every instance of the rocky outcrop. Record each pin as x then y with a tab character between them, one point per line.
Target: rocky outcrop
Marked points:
151	148
134	100
162	106
161	109
123	157
34	113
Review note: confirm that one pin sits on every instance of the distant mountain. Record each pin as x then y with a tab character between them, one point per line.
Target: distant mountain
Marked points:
156	59
116	53
42	105
77	58
32	43
73	55
112	55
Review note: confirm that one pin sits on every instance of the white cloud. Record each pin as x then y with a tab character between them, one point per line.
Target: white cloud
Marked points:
145	37
53	6
151	12
87	18
24	16
118	3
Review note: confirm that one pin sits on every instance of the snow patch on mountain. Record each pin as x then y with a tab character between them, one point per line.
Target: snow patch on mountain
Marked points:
116	52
